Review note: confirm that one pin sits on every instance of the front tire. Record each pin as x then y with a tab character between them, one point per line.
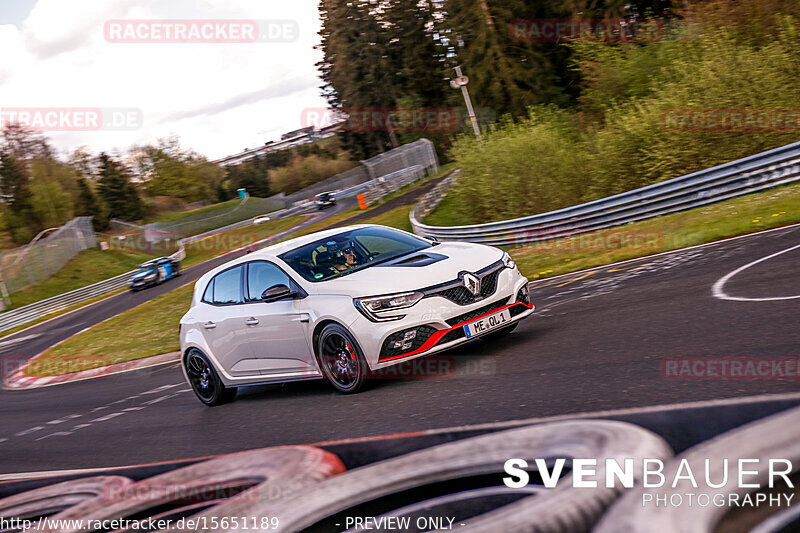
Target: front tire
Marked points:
205	381
341	360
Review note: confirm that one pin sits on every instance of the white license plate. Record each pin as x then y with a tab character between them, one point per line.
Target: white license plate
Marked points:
488	323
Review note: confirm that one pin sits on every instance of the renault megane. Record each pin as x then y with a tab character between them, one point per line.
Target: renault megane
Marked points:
341	303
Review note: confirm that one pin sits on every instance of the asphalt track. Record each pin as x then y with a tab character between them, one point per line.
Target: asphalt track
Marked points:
597	341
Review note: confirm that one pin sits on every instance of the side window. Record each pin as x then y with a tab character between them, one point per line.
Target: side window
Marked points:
261	276
208	296
228	286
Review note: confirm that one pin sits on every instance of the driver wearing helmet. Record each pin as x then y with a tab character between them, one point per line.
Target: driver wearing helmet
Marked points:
345	257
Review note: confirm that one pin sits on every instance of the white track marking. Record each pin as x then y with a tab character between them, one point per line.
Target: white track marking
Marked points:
162	388
62	420
718	288
19	340
107	417
56	434
29	431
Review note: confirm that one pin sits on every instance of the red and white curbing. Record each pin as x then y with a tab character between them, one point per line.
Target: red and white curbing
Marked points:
20	381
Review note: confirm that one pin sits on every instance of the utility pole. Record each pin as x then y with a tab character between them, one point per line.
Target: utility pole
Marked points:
461	82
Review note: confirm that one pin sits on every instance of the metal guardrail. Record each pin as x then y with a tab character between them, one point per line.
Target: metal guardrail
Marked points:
23	315
751	174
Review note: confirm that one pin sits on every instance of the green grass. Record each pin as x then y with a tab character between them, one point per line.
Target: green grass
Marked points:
112	341
396	218
446	214
89	266
737	216
174	216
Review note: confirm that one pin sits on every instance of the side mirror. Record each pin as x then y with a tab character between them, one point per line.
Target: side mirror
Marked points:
432	239
277	292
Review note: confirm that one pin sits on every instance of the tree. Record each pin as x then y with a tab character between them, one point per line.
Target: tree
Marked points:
169	170
24	144
116	190
507	73
89	205
16	194
356	70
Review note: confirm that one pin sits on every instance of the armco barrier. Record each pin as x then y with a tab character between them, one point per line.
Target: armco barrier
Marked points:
23	315
751	174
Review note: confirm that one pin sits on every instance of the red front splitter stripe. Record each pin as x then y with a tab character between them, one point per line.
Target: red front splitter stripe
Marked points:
436	337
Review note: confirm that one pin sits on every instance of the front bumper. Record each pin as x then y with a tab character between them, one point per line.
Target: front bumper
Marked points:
141	283
438	321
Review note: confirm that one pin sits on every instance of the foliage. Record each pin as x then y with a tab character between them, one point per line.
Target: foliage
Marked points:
117	191
557	158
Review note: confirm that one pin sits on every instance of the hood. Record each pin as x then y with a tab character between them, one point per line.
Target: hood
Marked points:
431	266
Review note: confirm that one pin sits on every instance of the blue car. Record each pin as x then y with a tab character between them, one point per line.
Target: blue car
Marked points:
154	272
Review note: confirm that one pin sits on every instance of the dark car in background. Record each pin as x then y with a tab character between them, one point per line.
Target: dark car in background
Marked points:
154	272
325	200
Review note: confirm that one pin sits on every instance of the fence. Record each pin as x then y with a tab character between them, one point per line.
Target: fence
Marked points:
244	210
380	187
418	153
751	174
46	254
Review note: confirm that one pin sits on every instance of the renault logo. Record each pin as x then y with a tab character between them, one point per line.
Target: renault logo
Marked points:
472	283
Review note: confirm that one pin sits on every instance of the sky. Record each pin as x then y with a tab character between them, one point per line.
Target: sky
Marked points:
218	98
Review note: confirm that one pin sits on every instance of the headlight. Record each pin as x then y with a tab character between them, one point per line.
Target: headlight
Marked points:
508	261
374	307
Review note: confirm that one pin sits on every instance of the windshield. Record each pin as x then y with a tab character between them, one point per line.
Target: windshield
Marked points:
347	252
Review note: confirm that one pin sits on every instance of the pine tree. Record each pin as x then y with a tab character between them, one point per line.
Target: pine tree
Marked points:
117	192
14	184
356	70
16	194
507	74
88	205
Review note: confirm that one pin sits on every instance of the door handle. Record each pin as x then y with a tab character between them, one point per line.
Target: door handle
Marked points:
305	317
209	325
251	321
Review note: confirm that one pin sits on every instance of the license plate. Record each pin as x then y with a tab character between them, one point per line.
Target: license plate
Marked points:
488	323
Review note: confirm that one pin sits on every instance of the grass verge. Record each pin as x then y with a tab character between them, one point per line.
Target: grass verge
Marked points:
120	338
737	216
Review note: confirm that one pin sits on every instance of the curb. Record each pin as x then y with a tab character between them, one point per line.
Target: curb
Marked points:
19	381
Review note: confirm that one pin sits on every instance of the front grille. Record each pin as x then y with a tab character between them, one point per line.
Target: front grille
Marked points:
466	317
457	293
423	334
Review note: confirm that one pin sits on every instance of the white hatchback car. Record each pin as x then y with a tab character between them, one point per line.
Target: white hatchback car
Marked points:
340	303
